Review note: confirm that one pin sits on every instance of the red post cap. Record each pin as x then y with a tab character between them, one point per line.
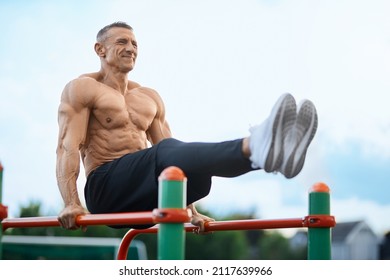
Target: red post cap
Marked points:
1	167
172	173
320	187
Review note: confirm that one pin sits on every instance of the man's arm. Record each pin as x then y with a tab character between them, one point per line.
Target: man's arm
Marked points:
73	115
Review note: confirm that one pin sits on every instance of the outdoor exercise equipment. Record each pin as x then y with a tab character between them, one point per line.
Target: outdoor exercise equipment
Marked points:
172	220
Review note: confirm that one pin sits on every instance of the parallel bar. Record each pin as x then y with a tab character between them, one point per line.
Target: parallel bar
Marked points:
30	222
254	224
135	218
83	220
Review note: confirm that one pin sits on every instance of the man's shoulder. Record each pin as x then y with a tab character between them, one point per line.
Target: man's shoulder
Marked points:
82	81
94	75
81	89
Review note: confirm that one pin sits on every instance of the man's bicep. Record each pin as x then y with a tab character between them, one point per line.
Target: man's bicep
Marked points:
72	125
73	114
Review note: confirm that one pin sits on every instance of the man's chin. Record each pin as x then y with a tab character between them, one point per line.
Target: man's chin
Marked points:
127	69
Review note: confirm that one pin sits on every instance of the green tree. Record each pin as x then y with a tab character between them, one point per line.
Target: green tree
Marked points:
32	209
274	246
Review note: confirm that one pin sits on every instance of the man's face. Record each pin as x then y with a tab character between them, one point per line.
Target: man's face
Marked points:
120	49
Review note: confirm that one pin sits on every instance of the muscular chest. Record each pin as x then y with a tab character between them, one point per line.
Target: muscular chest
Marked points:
113	110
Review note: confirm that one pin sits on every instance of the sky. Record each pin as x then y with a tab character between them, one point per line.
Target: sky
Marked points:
219	67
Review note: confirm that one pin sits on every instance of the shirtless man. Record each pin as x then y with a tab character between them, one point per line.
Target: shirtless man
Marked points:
108	121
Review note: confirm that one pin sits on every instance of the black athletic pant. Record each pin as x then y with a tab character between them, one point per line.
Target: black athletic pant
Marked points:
130	183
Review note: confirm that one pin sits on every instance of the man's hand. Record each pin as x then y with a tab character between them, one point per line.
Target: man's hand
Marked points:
68	215
198	219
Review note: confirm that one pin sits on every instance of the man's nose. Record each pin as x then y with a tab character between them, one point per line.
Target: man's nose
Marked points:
130	49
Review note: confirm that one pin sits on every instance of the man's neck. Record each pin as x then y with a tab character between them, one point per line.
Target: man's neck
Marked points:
117	81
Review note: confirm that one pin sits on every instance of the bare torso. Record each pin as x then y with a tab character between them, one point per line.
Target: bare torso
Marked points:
118	123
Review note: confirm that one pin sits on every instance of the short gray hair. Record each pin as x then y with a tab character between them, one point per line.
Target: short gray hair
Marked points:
101	36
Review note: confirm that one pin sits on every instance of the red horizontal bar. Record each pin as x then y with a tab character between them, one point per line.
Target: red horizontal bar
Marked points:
83	220
254	224
30	222
134	218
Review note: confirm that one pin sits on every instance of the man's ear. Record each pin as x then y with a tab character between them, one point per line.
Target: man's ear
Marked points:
100	49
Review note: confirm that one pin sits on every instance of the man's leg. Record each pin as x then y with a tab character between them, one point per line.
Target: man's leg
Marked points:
223	159
201	161
278	144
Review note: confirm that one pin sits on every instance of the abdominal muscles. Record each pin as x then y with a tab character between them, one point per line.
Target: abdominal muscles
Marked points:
107	145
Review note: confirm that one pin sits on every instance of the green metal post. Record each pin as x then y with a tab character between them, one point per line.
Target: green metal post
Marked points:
172	194
319	239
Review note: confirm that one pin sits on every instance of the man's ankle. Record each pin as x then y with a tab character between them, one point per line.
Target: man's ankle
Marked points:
245	147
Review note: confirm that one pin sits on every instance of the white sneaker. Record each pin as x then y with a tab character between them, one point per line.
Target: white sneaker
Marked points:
266	140
298	139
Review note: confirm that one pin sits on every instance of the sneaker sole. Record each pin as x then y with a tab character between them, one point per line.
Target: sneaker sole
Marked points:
283	116
306	126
